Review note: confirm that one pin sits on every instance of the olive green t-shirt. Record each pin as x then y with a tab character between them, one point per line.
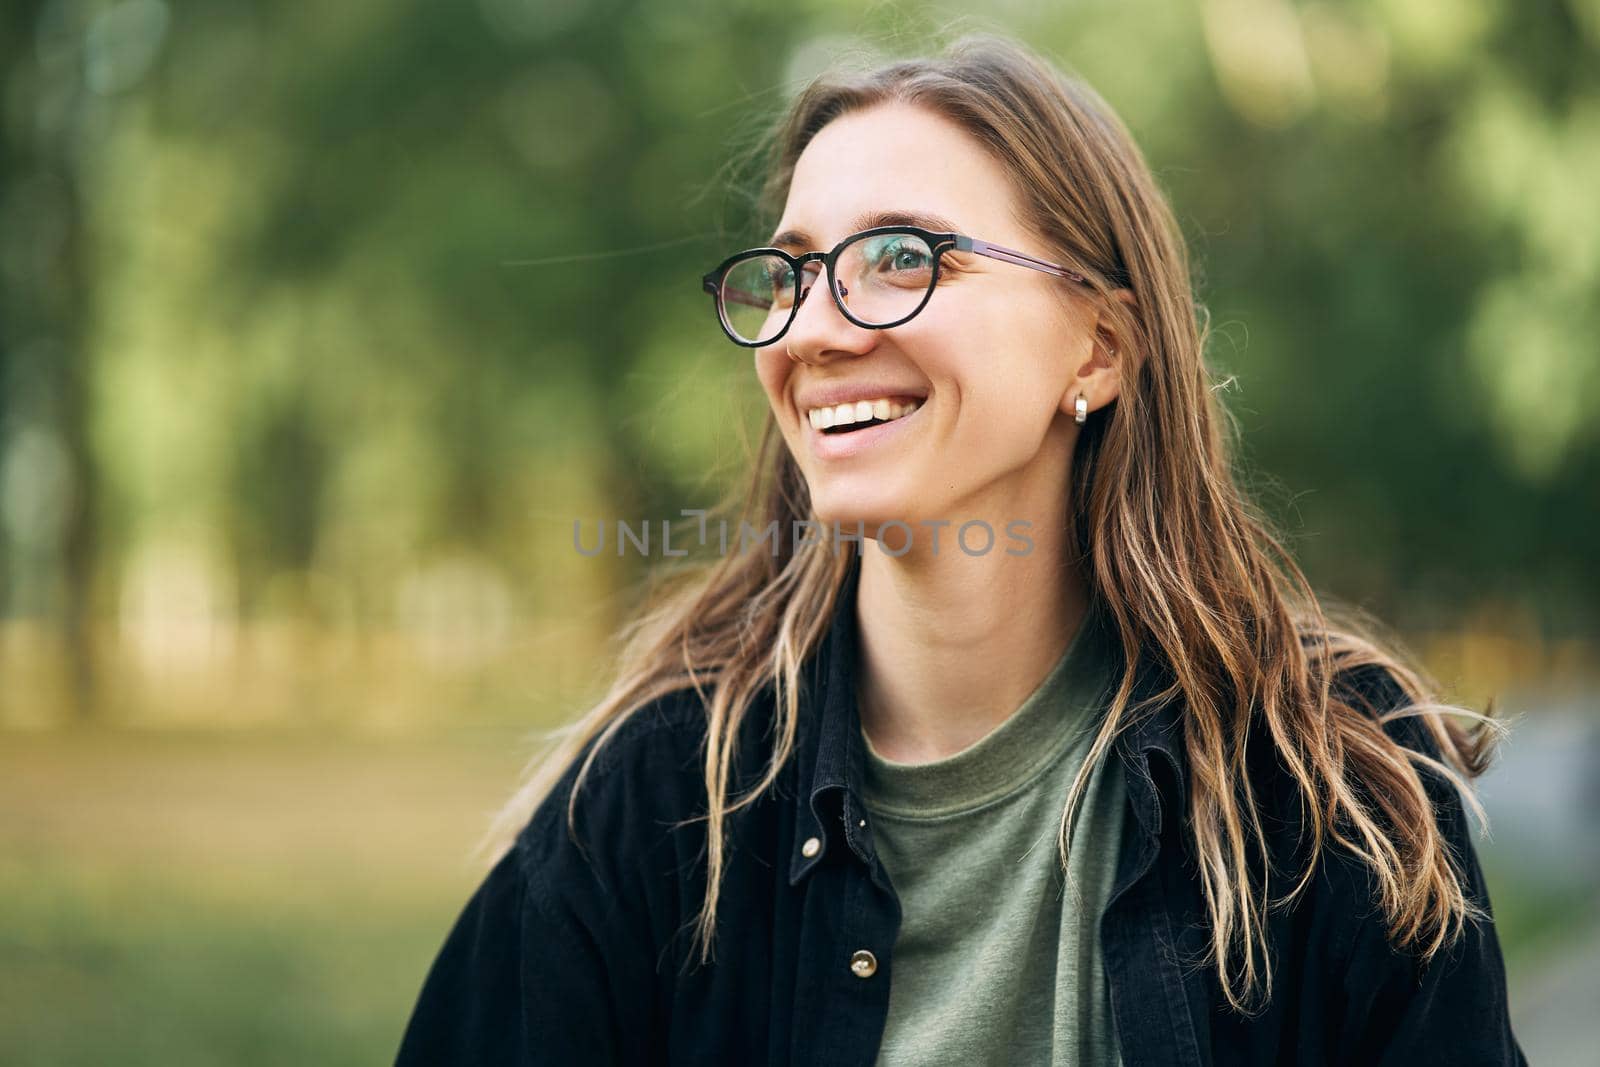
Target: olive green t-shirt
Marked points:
994	963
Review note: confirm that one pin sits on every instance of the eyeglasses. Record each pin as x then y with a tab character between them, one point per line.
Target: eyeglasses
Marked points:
879	278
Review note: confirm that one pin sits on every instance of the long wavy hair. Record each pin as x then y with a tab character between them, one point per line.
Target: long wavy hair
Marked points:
1189	570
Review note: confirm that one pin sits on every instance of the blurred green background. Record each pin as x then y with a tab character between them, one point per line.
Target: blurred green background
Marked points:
321	324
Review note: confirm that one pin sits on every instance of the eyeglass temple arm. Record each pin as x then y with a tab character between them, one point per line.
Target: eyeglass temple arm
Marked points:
733	296
1010	255
739	296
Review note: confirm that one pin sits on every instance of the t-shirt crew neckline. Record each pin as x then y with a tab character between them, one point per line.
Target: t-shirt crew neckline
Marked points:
1061	710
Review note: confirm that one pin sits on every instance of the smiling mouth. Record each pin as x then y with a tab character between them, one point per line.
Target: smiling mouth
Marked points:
848	418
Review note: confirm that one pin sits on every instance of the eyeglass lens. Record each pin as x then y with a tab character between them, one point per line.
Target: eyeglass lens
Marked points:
882	277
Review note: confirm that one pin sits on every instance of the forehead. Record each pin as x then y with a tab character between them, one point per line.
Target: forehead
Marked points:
897	157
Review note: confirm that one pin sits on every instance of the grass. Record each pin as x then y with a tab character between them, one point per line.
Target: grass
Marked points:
276	898
231	899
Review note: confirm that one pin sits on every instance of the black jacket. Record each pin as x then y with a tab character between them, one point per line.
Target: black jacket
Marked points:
579	955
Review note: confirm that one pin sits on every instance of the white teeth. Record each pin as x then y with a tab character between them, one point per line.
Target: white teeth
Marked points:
861	411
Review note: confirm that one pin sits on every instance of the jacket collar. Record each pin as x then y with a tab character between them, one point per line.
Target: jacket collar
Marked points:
831	760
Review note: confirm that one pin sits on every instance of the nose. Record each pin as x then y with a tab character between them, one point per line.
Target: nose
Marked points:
805	291
814	336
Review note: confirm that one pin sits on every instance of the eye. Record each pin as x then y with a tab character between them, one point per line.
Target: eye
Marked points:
780	276
903	254
899	259
910	258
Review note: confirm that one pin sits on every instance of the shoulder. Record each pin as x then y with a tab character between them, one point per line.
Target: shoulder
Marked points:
557	953
1382	736
1441	994
1378	698
645	784
655	733
1372	683
1416	741
623	784
1412	722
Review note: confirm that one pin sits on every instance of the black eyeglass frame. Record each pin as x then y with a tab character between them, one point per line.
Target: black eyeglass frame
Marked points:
938	244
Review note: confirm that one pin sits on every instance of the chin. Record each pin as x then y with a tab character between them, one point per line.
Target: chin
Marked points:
847	511
868	509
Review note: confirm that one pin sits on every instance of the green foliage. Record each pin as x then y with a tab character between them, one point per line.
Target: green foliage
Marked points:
369	284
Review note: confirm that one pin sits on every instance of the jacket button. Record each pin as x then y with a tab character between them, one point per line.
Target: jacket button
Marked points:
811	847
863	964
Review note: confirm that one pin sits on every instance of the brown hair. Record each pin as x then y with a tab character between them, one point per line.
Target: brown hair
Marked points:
1186	566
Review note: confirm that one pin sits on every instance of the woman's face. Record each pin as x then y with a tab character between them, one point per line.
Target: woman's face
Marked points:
994	356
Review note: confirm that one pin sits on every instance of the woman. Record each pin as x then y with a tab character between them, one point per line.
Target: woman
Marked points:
1061	761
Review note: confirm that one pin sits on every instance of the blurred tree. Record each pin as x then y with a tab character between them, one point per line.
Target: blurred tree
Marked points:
49	476
309	307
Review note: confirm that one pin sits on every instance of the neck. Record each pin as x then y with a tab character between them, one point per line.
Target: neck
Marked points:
952	644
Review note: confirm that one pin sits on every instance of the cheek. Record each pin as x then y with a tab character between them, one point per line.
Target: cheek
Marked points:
994	354
772	370
1009	385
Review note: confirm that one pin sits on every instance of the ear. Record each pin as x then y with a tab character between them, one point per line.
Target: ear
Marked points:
1097	376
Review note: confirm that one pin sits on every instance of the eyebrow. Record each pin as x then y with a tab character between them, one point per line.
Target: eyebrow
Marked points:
868	220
